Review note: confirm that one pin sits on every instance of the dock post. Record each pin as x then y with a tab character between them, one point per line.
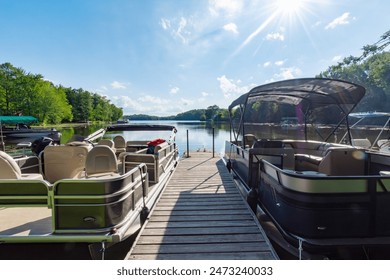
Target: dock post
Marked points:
213	141
188	146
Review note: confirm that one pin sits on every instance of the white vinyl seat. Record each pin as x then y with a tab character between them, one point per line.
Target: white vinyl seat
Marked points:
119	144
9	169
343	161
101	161
108	143
64	162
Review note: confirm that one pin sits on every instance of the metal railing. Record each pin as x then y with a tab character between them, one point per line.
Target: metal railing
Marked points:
188	144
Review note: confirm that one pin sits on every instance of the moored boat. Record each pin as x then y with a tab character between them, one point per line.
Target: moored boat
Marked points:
20	131
92	194
381	143
316	198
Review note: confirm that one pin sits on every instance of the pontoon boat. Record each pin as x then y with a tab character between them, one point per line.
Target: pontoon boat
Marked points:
83	193
316	198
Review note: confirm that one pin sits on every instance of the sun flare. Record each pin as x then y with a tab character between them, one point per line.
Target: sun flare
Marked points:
290	6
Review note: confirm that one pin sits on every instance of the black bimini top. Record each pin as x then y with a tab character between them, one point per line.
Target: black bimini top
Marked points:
310	93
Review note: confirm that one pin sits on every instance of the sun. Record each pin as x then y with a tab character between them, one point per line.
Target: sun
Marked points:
290	7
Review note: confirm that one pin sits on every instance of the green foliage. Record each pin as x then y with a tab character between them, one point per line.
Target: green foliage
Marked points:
212	113
371	70
24	93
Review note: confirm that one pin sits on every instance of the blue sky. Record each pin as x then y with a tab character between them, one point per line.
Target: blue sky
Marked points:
163	57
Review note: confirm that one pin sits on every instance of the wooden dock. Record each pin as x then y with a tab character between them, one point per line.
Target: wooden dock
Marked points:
201	215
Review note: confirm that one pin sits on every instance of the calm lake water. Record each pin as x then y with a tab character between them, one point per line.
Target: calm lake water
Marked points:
200	134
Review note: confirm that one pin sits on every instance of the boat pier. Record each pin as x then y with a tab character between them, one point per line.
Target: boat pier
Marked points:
201	215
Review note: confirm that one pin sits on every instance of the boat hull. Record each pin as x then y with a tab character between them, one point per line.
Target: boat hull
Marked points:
15	136
316	212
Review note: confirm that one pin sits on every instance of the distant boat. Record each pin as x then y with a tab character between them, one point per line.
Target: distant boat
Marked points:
20	131
381	145
124	121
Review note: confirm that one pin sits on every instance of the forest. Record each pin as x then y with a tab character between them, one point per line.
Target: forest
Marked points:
23	93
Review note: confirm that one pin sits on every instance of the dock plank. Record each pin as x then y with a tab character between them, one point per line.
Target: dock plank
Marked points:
201	216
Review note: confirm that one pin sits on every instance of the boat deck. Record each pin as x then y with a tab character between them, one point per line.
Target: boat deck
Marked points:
201	215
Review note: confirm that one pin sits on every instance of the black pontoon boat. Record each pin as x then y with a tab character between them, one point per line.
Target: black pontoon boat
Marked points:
315	196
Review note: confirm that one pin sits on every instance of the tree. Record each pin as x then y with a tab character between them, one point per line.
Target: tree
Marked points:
52	104
371	70
9	81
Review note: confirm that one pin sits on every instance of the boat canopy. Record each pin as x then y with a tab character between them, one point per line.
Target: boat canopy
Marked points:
311	93
17	119
316	100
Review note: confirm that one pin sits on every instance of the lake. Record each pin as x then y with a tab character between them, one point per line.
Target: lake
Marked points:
200	134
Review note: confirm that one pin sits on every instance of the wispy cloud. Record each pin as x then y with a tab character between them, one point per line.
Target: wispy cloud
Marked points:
267	64
275	36
165	23
229	87
288	73
118	85
231	27
179	28
181	31
174	90
228	8
337	58
152	99
341	20
279	62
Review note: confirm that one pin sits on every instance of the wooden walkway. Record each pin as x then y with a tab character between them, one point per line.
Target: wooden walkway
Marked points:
201	215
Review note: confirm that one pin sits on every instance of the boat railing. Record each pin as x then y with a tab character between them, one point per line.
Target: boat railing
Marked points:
157	163
316	182
86	205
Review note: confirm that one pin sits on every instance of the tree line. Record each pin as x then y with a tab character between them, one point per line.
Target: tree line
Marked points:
23	93
212	113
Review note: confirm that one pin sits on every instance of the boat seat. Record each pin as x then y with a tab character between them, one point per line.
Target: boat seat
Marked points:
108	143
275	152
343	161
361	143
119	144
11	170
306	162
64	162
101	161
249	140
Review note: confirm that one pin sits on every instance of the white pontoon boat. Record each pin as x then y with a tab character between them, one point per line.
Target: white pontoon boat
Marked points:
83	193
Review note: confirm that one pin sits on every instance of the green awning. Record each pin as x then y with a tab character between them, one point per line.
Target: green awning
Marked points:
17	119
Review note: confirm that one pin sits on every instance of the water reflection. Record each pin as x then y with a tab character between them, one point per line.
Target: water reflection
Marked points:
200	134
